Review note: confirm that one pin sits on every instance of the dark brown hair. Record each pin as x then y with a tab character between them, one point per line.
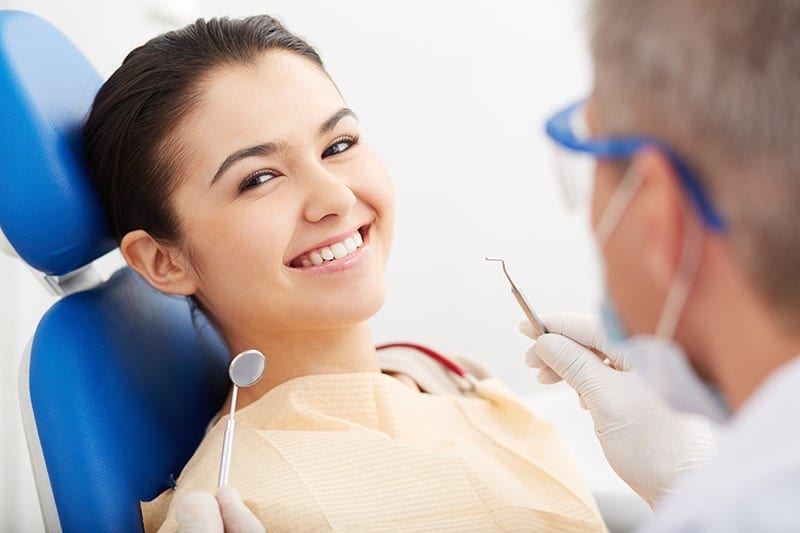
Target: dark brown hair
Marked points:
127	132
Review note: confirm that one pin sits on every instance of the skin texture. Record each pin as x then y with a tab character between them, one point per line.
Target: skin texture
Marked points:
318	186
731	335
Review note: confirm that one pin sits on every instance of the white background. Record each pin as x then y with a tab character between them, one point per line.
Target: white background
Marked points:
453	95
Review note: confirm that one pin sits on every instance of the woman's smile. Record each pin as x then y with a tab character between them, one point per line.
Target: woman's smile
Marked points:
332	250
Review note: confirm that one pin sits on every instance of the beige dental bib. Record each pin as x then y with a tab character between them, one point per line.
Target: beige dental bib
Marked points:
365	452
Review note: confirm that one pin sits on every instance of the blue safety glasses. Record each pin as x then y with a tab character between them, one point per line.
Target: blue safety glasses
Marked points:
577	154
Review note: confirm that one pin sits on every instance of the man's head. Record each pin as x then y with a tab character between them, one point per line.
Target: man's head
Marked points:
706	90
717	81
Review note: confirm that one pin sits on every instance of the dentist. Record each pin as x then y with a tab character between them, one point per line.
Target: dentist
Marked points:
693	132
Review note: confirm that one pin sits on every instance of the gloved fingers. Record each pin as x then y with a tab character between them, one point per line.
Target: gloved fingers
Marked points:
547	376
526	329
198	512
532	360
235	514
576	364
583	329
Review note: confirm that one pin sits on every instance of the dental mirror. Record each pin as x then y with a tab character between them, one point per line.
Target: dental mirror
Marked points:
245	370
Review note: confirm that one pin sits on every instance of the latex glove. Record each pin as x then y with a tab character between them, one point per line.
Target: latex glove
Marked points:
648	444
201	512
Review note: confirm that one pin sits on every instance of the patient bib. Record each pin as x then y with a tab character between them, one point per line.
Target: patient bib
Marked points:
365	452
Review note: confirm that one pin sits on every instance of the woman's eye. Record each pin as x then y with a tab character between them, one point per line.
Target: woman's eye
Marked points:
256	179
339	146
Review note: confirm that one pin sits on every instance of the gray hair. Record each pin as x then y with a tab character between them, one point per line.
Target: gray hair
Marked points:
718	80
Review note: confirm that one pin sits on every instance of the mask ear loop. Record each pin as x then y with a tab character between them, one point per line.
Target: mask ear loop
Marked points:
682	283
619	202
690	253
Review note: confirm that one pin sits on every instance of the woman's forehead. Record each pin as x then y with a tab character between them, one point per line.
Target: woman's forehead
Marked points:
282	97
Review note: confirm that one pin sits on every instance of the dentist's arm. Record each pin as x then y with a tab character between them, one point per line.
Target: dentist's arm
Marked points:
648	444
202	512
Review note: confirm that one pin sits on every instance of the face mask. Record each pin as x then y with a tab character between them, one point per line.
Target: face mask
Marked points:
655	358
663	365
613	331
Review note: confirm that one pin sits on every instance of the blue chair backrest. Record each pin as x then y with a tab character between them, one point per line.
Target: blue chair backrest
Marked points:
120	380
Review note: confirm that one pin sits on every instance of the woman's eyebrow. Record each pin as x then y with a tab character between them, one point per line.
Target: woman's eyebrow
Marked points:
329	124
254	151
262	150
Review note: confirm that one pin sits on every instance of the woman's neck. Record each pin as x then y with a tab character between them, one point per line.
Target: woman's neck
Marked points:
307	352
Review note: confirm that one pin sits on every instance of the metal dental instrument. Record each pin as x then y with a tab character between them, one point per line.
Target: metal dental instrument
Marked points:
245	370
533	318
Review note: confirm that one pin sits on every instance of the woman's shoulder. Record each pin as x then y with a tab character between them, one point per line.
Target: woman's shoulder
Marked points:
256	464
156	513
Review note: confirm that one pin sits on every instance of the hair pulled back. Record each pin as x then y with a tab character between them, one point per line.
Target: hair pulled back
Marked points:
126	136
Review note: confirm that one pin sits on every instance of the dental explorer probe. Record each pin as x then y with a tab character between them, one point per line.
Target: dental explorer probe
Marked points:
245	370
533	318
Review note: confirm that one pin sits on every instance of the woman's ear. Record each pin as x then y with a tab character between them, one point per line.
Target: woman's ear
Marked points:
164	267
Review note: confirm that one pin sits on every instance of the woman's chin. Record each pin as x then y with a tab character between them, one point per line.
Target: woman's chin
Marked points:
355	309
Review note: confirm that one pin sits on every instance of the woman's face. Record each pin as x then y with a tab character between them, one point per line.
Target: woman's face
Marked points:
285	215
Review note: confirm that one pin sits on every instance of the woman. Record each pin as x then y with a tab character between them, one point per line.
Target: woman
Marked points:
234	173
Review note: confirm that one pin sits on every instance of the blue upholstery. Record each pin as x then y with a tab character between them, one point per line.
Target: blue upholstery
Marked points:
47	207
122	385
121	381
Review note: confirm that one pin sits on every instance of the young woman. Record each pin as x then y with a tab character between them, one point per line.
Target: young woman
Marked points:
233	172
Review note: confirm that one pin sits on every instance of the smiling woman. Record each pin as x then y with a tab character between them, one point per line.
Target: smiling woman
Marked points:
234	173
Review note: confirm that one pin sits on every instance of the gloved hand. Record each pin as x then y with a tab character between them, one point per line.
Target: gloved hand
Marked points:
648	444
201	512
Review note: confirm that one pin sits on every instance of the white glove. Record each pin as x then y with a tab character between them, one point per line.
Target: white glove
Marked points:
648	444
201	512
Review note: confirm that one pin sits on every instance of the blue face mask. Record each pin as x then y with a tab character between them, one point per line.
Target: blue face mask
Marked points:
613	329
664	366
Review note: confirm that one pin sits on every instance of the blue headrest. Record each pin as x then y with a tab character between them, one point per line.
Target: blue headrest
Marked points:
48	209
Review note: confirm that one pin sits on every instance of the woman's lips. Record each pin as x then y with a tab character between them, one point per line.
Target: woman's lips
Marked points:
332	252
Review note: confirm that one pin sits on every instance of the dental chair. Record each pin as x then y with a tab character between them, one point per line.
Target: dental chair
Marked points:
119	381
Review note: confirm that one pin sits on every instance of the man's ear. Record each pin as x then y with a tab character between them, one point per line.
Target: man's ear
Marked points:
164	267
666	212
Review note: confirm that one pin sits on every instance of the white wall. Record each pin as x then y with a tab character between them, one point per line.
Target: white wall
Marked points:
453	96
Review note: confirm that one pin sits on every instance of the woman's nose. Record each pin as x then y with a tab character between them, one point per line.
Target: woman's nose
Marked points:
328	195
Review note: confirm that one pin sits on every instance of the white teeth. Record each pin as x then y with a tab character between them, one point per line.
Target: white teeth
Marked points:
334	251
339	250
